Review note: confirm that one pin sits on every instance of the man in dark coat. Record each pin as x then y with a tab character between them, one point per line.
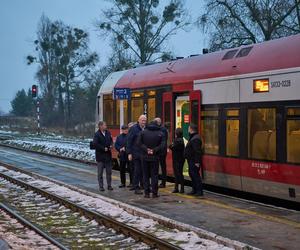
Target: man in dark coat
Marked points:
177	148
193	154
163	155
152	142
120	146
103	143
134	152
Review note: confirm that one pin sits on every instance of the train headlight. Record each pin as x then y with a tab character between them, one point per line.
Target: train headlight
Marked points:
261	85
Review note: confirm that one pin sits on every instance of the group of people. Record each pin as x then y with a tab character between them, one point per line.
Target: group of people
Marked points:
142	148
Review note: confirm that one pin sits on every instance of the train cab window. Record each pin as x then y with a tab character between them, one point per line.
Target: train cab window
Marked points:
293	135
262	133
125	106
151	110
137	105
108	109
210	130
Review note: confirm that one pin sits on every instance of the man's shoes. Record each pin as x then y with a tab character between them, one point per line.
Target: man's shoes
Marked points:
175	191
122	186
182	191
137	191
147	196
162	185
110	188
191	193
199	194
101	189
130	185
132	188
155	195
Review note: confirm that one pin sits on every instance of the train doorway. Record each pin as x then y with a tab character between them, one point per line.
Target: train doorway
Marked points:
182	118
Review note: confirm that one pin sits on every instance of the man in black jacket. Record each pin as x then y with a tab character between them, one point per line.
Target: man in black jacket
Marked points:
120	146
163	154
152	142
193	154
134	152
103	143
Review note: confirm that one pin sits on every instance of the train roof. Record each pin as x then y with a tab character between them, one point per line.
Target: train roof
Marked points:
110	82
271	55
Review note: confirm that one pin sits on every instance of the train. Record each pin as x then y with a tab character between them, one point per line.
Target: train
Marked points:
245	101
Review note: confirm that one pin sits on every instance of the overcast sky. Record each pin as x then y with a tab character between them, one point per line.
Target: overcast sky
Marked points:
18	25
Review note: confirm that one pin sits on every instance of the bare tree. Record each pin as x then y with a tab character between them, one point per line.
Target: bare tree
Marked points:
142	26
64	59
233	23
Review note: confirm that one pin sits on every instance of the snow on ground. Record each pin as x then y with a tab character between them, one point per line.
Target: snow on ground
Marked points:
7	132
185	239
76	150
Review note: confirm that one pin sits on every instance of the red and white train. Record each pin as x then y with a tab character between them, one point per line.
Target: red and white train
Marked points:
245	101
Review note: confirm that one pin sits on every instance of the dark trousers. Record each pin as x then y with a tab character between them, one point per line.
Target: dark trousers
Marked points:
178	173
163	165
196	179
126	166
130	171
108	167
152	168
138	173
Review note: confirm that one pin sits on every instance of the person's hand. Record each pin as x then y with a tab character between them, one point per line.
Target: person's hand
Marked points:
105	149
130	157
122	149
150	151
197	165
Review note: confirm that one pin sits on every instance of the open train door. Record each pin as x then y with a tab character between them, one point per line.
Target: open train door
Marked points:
195	108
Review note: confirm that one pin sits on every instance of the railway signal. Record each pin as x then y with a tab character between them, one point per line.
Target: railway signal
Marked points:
34	91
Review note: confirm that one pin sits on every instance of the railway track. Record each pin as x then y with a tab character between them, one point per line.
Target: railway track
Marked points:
18	233
71	225
10	222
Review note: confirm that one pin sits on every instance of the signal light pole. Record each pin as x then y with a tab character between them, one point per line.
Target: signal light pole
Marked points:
34	93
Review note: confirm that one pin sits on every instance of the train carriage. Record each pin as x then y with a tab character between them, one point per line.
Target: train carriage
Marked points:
245	101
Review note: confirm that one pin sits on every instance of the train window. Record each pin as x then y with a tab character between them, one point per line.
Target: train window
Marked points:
167	116
151	93
137	94
151	109
229	54
232	137
210	112
244	52
293	141
137	108
195	112
210	131
125	105
108	106
293	111
262	133
232	112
